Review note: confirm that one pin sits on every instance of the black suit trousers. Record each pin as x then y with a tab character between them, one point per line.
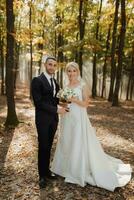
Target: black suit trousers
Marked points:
46	134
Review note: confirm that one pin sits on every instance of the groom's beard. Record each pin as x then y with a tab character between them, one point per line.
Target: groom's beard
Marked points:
51	72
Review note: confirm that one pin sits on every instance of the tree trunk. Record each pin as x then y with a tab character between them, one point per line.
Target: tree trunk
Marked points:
55	48
60	57
40	48
55	43
131	89
17	54
131	77
113	64
132	74
76	50
94	74
31	46
128	86
121	87
120	54
60	53
82	22
2	66
11	119
94	77
105	62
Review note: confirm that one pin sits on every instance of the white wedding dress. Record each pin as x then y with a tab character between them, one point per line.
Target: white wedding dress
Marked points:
79	156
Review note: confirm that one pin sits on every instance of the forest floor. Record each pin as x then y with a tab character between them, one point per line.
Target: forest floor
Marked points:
18	152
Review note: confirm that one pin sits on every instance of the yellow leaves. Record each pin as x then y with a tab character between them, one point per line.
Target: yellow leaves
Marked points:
58	27
18	195
131	22
67	26
19	180
18	4
56	189
61	65
38	40
23	36
36	56
130	197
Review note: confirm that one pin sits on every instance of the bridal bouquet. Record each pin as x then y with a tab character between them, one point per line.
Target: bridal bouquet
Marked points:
65	94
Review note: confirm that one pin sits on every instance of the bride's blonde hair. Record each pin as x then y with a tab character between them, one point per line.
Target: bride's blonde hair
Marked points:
73	64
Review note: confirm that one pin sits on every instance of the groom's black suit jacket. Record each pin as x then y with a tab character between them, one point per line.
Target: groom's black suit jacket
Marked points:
46	119
45	103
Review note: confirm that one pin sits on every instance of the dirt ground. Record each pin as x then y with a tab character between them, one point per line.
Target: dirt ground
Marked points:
18	152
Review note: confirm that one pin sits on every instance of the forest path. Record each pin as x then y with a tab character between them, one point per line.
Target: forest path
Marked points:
18	157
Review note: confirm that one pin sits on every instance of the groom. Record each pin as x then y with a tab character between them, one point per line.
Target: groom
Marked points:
44	89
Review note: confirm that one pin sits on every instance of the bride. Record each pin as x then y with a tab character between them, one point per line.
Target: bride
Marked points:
79	156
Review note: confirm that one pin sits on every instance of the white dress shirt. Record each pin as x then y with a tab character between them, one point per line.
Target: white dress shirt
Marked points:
48	78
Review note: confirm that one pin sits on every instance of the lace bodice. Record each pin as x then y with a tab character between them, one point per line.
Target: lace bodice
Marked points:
78	90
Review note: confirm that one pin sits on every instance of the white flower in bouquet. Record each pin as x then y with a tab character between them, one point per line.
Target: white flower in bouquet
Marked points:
65	94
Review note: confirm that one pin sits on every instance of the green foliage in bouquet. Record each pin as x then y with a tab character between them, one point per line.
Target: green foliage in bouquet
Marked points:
65	94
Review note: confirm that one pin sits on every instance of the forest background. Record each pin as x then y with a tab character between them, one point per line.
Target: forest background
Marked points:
98	35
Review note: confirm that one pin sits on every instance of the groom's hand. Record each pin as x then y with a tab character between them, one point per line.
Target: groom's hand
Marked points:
61	110
63	104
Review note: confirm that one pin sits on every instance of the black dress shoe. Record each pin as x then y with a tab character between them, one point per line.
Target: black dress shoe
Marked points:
51	176
42	183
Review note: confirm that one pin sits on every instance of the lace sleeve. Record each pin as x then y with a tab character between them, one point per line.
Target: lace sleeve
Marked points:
85	91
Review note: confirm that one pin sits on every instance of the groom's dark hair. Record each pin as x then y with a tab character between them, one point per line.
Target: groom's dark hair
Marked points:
50	57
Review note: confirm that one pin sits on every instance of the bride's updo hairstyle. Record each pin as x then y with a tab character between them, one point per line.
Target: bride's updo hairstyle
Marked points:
73	64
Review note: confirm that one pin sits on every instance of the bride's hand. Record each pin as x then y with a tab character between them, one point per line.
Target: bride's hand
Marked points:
73	99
